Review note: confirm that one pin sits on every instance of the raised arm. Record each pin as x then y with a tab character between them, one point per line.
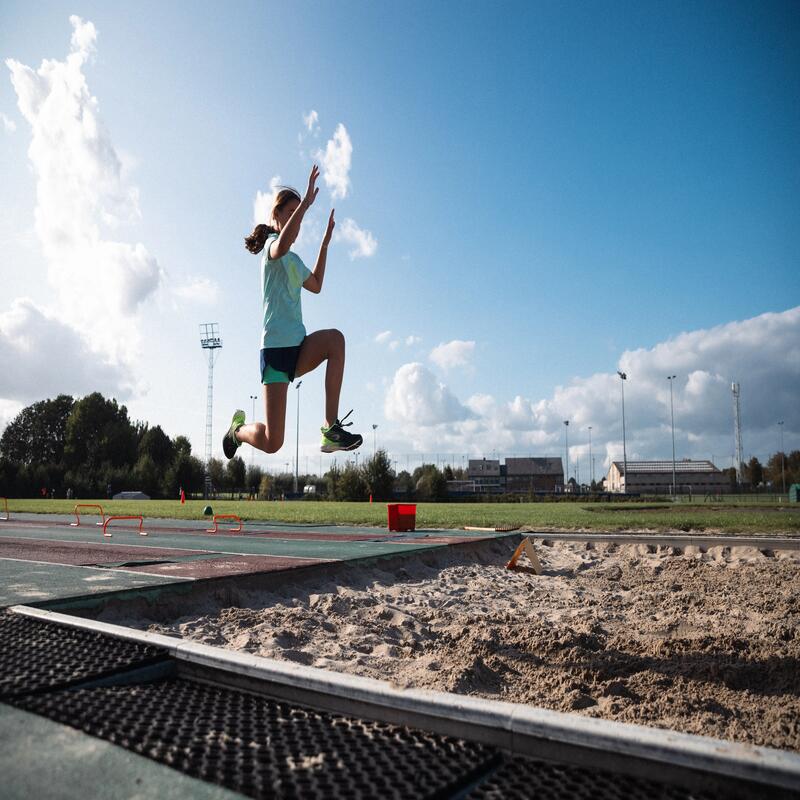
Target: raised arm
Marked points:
281	246
314	281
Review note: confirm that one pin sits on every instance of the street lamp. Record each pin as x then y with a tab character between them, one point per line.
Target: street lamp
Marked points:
566	453
374	439
671	378
783	475
591	460
623	377
297	438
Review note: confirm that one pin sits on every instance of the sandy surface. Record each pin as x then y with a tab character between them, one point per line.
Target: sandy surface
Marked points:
701	642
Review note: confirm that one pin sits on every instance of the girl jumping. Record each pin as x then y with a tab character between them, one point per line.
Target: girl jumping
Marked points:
286	351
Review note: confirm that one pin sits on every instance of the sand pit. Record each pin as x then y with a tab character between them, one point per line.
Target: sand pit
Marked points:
701	642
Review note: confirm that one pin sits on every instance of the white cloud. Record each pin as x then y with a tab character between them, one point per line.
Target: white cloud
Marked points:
311	121
418	398
452	354
9	126
383	337
99	283
760	353
412	340
198	290
44	357
335	162
364	243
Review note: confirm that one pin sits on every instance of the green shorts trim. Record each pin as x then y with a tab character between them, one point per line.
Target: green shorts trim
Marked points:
272	375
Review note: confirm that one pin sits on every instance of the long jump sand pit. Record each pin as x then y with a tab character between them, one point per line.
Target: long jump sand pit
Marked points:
699	641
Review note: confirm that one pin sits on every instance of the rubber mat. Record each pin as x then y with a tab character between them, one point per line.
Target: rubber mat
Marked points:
38	656
522	778
266	748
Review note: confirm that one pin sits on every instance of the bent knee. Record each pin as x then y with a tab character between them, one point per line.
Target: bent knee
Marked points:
336	340
274	443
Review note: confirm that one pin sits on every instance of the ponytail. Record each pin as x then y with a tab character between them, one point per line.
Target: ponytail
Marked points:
258	238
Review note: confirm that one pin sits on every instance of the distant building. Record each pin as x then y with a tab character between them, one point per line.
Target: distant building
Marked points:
655	477
534	475
517	476
484	474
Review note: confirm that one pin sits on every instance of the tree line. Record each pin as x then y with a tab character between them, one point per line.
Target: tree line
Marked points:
89	447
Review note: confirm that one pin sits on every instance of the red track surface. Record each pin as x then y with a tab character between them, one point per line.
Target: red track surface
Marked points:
225	565
81	553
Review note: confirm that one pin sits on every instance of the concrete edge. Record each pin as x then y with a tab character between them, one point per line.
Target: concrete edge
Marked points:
169	643
514	725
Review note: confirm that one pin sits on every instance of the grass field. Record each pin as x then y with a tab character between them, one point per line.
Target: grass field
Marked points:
769	518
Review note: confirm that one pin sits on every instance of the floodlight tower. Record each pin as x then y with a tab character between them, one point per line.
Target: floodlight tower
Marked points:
737	431
210	341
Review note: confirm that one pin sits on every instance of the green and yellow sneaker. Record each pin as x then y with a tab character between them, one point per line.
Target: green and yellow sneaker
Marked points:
335	438
230	444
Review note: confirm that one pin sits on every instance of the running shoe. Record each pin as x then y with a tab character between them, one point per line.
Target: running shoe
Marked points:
230	444
337	438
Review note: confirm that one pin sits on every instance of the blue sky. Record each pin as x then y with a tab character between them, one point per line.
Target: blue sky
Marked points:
556	191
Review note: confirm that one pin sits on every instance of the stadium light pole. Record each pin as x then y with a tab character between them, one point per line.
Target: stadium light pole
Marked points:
297	439
623	377
374	440
783	475
671	378
566	453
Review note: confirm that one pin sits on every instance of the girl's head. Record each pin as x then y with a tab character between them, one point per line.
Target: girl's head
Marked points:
283	206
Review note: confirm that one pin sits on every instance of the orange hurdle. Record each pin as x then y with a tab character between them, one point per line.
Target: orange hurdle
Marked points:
110	519
77	514
5	502
218	517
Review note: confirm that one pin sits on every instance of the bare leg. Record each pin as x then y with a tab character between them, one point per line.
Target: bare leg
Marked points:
327	345
269	437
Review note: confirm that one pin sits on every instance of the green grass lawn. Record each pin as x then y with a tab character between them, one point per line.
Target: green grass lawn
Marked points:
772	518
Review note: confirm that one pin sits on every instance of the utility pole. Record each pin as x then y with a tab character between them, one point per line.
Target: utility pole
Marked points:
566	454
783	474
623	377
671	378
374	440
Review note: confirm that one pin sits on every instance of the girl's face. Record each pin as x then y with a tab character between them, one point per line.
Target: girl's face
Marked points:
283	214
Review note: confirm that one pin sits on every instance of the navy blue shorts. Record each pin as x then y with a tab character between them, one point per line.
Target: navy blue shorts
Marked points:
278	364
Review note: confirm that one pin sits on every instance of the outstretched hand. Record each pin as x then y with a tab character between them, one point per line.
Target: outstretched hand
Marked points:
312	191
329	231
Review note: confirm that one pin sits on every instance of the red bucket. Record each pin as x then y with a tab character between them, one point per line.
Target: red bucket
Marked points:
402	516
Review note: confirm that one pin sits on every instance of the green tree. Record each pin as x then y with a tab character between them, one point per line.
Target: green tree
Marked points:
331	478
37	434
254	476
182	446
235	474
755	472
147	476
429	483
404	484
216	471
266	488
378	476
186	472
351	484
156	444
99	434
